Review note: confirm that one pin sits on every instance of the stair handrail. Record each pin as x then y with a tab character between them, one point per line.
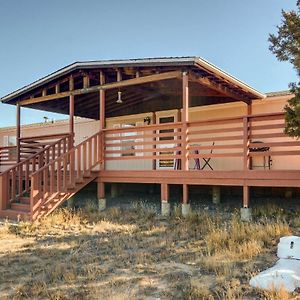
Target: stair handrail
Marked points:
7	149
67	153
56	172
4	180
34	155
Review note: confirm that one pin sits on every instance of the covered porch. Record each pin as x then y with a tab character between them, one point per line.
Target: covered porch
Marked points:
169	141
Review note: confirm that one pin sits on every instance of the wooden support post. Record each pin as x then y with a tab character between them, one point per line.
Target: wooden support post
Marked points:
246	213
245	196
71	119
102	120
4	191
101	196
246	142
165	205
164	192
249	113
185	194
71	111
185	120
185	207
216	194
18	132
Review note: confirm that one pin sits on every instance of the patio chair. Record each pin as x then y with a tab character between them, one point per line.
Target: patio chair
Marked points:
207	160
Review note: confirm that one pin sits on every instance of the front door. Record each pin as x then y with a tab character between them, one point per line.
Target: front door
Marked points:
165	163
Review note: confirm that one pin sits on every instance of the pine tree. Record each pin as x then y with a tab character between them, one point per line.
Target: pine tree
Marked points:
286	46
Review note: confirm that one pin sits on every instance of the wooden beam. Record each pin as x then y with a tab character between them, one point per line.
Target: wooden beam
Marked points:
119	75
205	81
86	81
57	88
107	86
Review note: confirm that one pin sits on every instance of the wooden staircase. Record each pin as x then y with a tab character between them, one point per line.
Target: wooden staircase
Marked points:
37	185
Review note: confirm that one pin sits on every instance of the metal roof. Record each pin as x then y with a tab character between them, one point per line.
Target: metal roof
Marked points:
141	62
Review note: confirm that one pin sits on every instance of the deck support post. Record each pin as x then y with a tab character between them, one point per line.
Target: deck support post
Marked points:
18	132
71	111
101	196
116	190
246	212
185	207
185	120
288	193
216	194
165	205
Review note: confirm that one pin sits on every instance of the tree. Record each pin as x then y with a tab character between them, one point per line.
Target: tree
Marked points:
286	46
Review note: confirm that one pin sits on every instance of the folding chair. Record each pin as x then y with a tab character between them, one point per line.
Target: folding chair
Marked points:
197	161
207	160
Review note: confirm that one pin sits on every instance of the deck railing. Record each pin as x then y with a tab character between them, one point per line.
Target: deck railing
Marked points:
151	142
15	182
62	173
33	144
230	143
8	155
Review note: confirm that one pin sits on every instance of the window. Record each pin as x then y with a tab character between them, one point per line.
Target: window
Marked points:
9	140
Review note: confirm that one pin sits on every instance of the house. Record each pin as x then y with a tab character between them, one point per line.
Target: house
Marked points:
167	121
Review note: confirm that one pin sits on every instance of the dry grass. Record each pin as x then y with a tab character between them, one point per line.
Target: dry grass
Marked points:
135	254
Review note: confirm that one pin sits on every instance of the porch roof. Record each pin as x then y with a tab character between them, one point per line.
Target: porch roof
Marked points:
210	85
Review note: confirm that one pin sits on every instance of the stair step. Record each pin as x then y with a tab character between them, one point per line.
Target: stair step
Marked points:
87	175
79	180
24	200
20	206
15	215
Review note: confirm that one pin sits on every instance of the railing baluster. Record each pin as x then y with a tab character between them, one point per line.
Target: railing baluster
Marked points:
58	149
59	175
78	153
45	184
89	154
72	168
52	178
13	183
84	154
65	169
20	180
27	165
95	150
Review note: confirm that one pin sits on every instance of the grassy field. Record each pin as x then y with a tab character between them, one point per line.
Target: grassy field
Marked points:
135	254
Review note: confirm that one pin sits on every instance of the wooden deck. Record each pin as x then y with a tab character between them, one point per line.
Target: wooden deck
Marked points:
51	169
268	178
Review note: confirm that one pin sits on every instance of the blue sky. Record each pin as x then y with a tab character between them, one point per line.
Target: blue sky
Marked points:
38	37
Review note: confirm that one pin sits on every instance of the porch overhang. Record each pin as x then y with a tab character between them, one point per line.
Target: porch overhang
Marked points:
146	85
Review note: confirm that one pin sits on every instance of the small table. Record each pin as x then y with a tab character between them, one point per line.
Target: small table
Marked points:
267	162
